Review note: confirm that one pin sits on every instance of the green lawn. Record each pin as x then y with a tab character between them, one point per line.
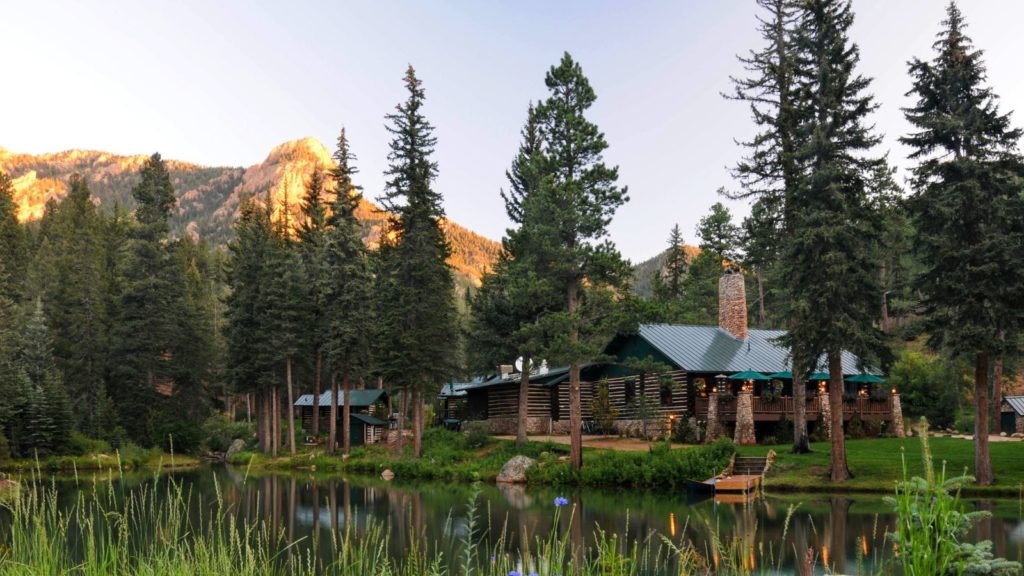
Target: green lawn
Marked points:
878	463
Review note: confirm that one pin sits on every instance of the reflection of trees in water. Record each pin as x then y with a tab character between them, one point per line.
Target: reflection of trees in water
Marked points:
308	510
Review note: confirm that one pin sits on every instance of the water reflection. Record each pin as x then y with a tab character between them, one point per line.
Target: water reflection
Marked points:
844	532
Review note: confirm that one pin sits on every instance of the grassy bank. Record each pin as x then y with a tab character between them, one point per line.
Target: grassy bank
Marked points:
456	457
877	465
132	458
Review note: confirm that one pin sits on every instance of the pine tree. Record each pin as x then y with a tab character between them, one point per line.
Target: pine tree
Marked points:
828	259
419	315
251	353
312	235
349	300
69	272
718	235
718	241
968	212
770	172
144	329
13	245
47	425
517	293
570	216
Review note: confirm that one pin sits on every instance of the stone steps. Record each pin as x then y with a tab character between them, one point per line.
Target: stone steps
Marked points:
749	465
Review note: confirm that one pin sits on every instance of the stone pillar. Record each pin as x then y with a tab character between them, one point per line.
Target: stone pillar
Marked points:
897	417
714	429
1019	421
745	418
825	412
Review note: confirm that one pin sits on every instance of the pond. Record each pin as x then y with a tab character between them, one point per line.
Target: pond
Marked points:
846	532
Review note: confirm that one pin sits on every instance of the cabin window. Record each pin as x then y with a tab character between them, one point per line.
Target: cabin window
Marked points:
666	392
630	391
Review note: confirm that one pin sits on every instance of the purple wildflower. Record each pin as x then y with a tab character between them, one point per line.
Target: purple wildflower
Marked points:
561	501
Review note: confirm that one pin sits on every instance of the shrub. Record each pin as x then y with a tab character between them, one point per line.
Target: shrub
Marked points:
221	432
477	435
605	413
81	445
855	428
929	386
784	430
686	431
180	436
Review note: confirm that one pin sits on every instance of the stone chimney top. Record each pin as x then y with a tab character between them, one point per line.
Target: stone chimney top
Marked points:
732	303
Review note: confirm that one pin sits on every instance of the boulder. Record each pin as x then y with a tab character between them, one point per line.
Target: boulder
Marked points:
1003	434
1017	435
387	475
237	445
514	471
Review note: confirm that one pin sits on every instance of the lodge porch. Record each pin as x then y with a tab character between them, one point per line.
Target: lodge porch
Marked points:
774	410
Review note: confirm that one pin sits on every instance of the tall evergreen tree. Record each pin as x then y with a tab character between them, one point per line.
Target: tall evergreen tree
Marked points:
68	271
828	260
144	330
312	235
349	300
968	213
47	418
418	315
13	245
577	199
770	172
517	292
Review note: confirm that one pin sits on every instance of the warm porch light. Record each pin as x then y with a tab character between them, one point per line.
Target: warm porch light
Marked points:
893	391
822	386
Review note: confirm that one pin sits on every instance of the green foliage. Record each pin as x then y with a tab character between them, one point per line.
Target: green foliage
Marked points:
661	467
605	413
81	445
933	525
219	432
477	435
687	430
930	386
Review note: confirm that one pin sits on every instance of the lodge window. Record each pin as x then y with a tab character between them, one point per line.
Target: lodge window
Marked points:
630	391
666	393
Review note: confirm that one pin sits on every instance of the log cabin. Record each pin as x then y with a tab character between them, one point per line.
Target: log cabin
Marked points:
368	414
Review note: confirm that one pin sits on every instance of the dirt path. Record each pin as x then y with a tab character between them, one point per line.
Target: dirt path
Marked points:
608	442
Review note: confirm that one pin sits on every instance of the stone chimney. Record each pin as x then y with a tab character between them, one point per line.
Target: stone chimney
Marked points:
732	303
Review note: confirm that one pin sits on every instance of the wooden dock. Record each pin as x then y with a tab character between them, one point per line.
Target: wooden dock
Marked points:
740	483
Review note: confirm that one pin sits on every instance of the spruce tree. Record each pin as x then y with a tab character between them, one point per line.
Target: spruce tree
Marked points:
350	296
576	201
968	212
770	172
419	315
47	423
517	292
828	260
312	236
13	243
69	272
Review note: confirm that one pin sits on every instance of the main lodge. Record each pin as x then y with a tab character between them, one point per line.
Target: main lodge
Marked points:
718	375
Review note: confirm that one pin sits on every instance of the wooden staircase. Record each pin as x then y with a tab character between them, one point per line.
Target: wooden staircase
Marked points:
749	465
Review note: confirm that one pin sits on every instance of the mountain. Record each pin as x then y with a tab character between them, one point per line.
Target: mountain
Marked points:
209	197
643	273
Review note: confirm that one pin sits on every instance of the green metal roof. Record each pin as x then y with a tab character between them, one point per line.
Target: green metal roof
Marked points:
550	378
712	349
368	420
358	398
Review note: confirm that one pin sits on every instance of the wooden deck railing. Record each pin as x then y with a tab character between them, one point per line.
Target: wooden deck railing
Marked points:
775	408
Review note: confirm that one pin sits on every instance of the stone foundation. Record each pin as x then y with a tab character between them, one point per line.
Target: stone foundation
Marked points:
1019	421
825	413
714	428
510	426
745	419
656	428
897	417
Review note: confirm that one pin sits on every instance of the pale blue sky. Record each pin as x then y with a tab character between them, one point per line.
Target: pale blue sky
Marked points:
221	83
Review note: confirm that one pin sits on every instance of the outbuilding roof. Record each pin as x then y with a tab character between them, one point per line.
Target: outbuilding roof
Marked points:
550	378
712	349
358	398
1016	402
368	420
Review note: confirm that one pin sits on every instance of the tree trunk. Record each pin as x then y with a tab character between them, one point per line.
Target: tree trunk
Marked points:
840	469
801	444
997	394
982	462
275	421
885	301
290	411
762	317
259	421
575	410
332	426
318	364
524	401
403	401
346	415
264	410
417	423
248	407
